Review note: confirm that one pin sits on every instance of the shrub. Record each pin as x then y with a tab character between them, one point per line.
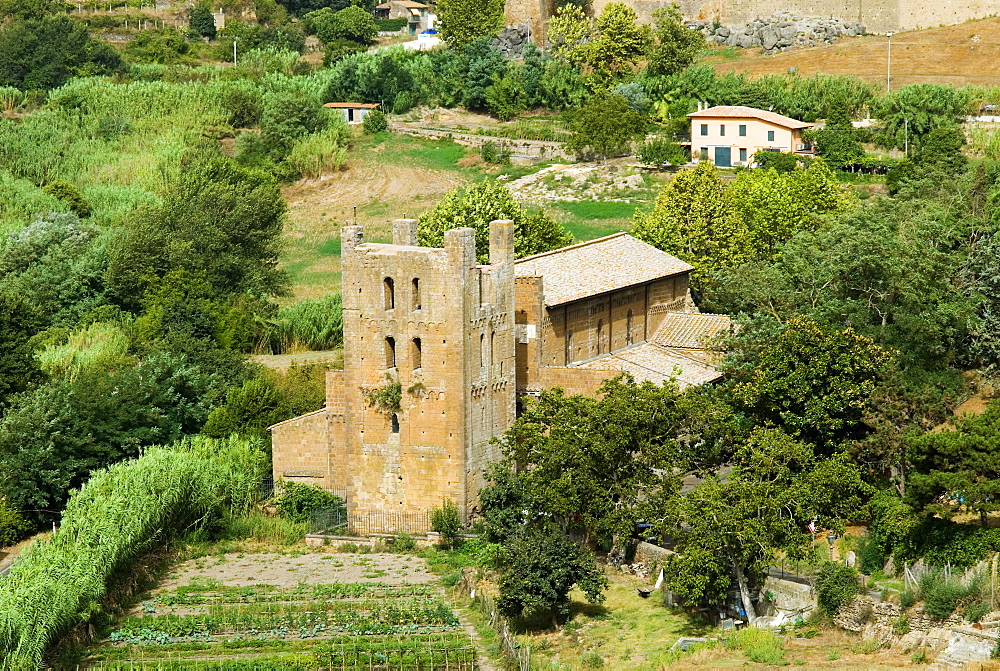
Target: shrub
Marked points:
901	625
319	153
201	21
866	647
835	585
491	154
977	610
311	324
446	521
759	645
297	501
940	596
70	195
404	543
12	525
375	122
907	598
591	660
662	151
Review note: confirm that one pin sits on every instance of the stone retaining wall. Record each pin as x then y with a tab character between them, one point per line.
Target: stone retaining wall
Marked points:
780	32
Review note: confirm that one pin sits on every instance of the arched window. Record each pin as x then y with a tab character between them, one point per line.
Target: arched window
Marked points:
600	337
416	293
390	352
390	293
493	342
395	423
569	347
482	350
417	354
628	328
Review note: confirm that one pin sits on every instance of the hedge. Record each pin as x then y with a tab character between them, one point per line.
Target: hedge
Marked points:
119	514
391	25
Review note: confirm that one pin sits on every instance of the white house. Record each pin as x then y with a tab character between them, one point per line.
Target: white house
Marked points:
731	135
354	113
416	13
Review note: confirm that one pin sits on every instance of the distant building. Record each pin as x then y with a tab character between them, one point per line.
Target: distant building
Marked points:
417	14
354	113
461	343
731	135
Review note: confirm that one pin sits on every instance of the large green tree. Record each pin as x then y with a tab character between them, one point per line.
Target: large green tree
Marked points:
816	382
736	526
490	201
674	46
620	42
605	126
41	54
462	22
218	221
18	368
957	468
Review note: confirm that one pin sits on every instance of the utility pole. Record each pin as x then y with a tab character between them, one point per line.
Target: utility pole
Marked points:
888	64
906	138
235	40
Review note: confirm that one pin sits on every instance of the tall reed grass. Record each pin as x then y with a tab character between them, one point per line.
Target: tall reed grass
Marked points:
116	516
310	325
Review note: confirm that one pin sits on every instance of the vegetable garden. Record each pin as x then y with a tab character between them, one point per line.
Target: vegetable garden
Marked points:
207	624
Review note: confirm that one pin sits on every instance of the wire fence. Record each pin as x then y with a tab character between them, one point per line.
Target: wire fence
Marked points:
403	658
341	521
511	647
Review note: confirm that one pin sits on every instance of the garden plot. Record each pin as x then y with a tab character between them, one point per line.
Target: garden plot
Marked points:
313	610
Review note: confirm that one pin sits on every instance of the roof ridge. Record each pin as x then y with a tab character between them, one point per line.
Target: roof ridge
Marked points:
575	245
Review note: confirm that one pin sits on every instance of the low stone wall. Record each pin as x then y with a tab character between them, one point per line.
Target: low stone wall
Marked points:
789	596
780	32
531	148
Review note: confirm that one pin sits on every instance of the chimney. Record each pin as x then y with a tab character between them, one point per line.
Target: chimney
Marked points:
404	232
501	241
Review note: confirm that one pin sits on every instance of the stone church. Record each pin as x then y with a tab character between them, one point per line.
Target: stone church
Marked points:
439	352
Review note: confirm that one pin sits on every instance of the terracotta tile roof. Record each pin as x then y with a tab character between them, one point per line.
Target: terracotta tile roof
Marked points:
408	4
598	266
649	361
690	330
366	106
740	112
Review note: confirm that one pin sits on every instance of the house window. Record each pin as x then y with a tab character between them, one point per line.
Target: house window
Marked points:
743	155
416	293
770	136
417	354
743	130
395	423
704	153
569	347
600	337
482	350
390	293
628	328
390	352
704	129
493	340
722	131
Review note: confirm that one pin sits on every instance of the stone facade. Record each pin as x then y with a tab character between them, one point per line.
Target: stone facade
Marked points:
878	16
459	342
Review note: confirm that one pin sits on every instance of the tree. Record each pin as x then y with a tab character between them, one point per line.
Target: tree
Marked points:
675	46
477	207
837	142
18	368
201	20
911	112
218	220
447	521
483	64
569	35
303	7
544	566
604	463
606	126
288	117
738	525
694	218
351	23
957	468
165	47
620	41
942	151
62	431
815	382
461	22
41	54
662	151
506	96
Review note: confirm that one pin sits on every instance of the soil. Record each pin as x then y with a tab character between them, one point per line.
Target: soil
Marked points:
966	53
243	570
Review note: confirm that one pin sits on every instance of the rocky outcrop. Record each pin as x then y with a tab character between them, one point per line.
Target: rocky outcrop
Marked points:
511	40
780	32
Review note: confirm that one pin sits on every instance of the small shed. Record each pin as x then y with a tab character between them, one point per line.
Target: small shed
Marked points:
354	113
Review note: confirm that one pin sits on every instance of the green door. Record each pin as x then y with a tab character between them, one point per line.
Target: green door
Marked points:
723	157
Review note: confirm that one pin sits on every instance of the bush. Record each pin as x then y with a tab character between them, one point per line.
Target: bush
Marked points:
201	21
375	122
901	625
759	645
662	151
977	610
391	25
591	660
446	521
404	543
491	154
907	598
70	195
835	585
315	325
12	525
319	153
940	596
297	501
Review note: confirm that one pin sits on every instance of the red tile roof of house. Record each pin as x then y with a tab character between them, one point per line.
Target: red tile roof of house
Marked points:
691	330
650	362
598	266
364	106
740	112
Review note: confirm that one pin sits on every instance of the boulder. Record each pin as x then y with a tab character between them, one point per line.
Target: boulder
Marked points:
769	38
